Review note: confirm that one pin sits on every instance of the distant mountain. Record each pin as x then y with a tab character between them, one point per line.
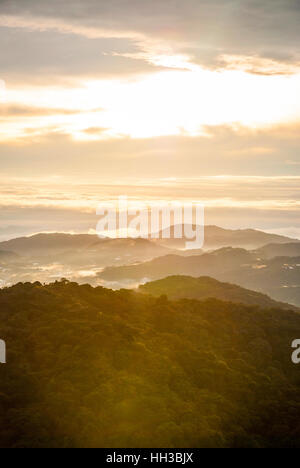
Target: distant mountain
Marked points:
216	237
48	257
221	261
114	252
276	272
279	250
48	244
287	293
278	277
86	258
83	250
180	287
45	245
8	257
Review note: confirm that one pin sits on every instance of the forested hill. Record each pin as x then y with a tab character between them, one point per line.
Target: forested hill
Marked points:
180	287
96	368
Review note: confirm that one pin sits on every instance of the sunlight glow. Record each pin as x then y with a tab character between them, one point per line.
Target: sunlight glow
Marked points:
175	102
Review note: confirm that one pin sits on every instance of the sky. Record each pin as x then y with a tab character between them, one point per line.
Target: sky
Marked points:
153	99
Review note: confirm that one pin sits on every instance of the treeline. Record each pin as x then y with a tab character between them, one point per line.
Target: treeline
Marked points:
89	367
180	287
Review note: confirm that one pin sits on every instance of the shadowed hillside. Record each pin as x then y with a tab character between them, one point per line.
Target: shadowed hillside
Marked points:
283	250
277	277
82	249
47	257
96	368
180	287
81	257
8	257
221	261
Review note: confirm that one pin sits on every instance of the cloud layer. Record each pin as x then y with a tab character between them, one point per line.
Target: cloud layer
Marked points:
206	30
274	151
120	94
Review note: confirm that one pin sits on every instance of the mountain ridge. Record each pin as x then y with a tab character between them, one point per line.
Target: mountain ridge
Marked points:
204	287
216	237
278	277
231	237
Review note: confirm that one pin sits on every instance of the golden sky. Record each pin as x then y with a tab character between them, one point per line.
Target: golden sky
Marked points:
104	93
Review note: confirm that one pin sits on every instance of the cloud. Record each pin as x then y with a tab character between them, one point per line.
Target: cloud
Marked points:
223	150
30	205
18	110
95	131
258	65
46	43
47	57
204	30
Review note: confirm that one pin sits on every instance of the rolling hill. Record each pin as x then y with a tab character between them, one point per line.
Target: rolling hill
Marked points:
215	238
48	244
8	257
83	250
220	261
89	367
279	250
278	277
180	287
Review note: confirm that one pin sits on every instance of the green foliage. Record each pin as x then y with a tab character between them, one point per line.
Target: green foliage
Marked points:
180	287
96	368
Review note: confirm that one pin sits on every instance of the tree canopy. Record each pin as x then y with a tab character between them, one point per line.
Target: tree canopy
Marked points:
89	367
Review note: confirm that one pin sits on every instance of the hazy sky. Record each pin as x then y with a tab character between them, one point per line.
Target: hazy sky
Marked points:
149	98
